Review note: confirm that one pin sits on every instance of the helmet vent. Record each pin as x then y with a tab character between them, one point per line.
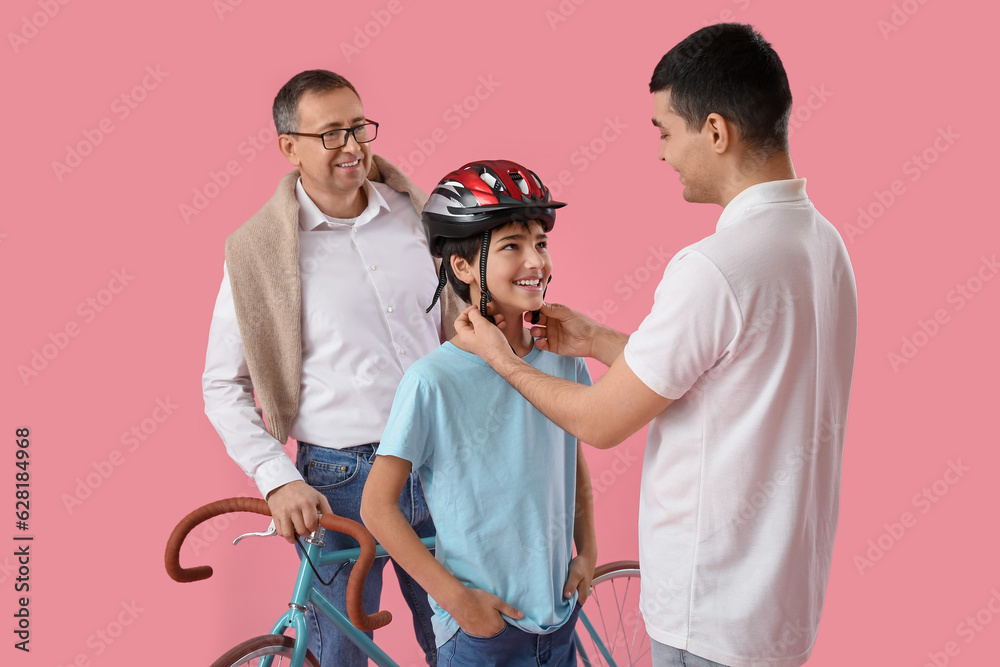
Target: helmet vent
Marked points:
519	181
491	181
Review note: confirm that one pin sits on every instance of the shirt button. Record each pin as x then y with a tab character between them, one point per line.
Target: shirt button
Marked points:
389	309
372	267
402	351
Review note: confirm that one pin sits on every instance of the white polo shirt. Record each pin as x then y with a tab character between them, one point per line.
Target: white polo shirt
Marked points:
753	333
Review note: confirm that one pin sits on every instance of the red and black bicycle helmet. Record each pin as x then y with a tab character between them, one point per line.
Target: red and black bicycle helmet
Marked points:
478	197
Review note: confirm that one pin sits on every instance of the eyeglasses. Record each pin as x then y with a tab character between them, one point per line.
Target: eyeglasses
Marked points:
335	139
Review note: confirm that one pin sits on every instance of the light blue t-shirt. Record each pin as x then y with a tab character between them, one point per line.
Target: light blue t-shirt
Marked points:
499	478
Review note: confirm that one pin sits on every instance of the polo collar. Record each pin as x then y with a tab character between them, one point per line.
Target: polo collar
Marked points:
769	192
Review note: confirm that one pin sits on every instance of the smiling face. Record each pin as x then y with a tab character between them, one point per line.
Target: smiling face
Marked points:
517	269
336	173
519	266
688	151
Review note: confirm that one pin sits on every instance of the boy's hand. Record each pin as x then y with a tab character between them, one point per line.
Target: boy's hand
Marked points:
564	331
478	613
580	579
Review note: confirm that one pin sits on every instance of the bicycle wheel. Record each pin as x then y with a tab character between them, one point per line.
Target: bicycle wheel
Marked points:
252	651
615	621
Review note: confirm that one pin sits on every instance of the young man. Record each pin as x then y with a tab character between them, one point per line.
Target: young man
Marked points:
509	490
744	367
319	316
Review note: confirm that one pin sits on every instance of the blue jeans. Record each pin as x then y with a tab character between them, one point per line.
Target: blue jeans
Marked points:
340	475
668	656
512	647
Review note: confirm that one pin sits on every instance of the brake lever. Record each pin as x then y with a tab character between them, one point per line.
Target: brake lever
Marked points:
271	530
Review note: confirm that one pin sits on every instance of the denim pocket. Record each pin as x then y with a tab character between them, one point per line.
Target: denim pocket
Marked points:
486	639
324	475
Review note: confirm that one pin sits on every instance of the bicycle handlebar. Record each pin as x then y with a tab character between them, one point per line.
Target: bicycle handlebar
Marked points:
355	583
198	516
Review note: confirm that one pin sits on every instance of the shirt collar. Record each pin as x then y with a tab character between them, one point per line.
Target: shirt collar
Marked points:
451	347
310	217
769	192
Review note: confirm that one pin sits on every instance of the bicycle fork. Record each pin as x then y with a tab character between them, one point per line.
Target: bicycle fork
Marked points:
304	593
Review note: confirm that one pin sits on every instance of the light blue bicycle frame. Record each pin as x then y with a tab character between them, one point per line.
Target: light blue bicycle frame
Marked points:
304	592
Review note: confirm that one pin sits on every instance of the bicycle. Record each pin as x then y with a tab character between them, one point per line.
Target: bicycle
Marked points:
601	645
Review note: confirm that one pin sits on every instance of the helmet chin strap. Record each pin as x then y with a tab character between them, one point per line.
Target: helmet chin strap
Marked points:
484	292
442	281
535	314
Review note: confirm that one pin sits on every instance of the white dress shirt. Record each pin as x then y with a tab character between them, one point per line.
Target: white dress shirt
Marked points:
365	284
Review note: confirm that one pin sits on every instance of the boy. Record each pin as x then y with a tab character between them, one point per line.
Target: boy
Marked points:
508	490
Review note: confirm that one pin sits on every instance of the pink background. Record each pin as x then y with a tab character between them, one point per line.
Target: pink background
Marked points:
867	101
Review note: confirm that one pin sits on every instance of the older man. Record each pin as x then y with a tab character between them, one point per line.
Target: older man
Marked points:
319	315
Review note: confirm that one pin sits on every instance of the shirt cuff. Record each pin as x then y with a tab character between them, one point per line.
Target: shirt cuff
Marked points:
274	473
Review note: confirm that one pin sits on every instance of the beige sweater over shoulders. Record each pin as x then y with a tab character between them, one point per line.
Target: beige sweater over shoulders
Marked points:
262	258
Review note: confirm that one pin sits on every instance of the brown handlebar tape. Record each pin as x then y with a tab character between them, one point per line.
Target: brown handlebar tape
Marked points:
188	523
355	583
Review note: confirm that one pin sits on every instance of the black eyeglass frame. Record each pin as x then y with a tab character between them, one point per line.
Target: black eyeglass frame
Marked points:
348	132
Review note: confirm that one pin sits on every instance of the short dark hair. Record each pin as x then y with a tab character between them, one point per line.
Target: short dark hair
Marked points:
731	70
286	103
468	249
